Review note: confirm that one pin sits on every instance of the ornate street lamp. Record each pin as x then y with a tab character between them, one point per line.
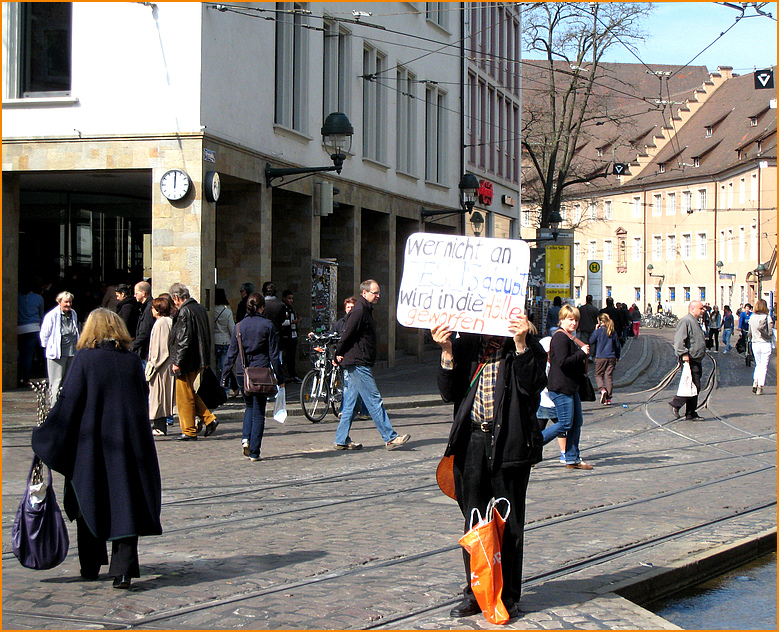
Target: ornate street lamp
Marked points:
337	134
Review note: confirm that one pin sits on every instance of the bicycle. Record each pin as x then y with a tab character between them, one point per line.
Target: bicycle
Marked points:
322	386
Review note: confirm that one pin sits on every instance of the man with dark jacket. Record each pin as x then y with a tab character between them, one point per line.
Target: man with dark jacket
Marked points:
356	353
190	350
145	321
495	384
616	318
128	308
588	320
275	310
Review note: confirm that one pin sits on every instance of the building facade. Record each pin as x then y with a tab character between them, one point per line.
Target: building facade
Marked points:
204	89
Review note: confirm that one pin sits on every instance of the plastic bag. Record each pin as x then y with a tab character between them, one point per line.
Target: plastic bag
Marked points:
280	407
484	542
686	386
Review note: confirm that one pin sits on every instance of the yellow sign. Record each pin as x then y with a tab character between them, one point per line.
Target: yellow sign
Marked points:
594	267
558	271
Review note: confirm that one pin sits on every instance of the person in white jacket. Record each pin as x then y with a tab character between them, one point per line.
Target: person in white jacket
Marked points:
59	335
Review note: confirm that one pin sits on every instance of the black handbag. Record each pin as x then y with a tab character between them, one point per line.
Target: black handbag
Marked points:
257	380
212	394
586	390
39	537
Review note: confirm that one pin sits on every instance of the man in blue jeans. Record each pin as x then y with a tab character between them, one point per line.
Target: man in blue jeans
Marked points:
356	353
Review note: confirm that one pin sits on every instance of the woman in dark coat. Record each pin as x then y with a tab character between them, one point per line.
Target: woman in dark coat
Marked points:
98	437
261	347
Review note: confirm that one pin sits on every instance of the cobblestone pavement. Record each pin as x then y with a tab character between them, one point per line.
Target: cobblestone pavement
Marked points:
312	538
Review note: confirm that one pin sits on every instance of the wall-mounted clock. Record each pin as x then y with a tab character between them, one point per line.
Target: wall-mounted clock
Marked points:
175	184
212	186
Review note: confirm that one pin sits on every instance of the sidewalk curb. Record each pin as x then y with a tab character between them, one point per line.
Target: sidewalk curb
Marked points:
662	582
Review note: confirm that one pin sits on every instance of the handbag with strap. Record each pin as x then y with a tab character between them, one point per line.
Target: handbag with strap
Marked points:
259	380
39	537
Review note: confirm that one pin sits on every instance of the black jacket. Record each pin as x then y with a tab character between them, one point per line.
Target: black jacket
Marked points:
143	331
276	312
567	364
521	379
260	344
99	438
358	338
129	311
190	338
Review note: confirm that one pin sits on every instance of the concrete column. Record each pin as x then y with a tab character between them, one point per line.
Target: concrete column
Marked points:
10	289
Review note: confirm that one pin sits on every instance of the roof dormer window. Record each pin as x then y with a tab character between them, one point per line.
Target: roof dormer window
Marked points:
696	162
709	131
752	121
662	167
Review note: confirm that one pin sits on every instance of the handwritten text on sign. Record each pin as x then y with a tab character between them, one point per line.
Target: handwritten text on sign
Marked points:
468	283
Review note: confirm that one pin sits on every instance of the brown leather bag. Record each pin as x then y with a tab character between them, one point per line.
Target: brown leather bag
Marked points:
258	380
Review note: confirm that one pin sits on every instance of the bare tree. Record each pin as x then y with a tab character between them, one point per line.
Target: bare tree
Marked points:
567	94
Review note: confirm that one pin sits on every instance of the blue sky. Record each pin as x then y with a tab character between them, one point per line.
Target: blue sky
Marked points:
678	31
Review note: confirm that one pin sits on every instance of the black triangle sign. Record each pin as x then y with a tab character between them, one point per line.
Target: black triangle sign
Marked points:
764	79
619	168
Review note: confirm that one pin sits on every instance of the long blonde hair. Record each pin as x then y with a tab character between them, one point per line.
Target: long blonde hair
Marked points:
605	320
103	325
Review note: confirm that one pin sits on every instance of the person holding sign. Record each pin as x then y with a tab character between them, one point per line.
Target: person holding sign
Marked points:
495	384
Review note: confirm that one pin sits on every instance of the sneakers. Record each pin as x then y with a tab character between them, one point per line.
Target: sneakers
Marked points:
675	411
754	387
245	448
398	441
759	390
349	446
562	458
608	402
604	396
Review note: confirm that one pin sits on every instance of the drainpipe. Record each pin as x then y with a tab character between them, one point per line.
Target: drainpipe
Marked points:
462	105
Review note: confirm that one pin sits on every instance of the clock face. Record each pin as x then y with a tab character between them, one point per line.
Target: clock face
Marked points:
174	184
213	186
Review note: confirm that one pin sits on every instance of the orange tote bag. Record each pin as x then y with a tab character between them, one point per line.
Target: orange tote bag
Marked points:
484	541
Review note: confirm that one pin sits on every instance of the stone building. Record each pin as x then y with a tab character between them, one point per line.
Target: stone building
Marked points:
100	100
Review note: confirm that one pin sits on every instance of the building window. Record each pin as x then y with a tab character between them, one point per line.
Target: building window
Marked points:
753	242
374	103
701	199
592	252
406	117
702	294
730	244
686	294
753	121
336	71
592	212
670	207
657	206
687	246
607	209
608	291
41	59
709	131
657	247
687	201
742	243
702	246
637	295
577	252
672	294
437	12
754	187
696	161
637	249
670	251
658	296
291	67
608	251
742	192
662	167
636	206
730	195
435	135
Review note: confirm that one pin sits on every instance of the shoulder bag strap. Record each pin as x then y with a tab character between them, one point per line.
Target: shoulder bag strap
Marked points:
240	345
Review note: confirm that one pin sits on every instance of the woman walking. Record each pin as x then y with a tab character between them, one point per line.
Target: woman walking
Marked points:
162	382
715	322
223	332
728	324
98	437
605	341
261	349
761	333
567	370
59	335
635	319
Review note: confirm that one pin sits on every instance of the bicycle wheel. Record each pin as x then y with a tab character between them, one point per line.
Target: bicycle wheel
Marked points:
313	396
337	392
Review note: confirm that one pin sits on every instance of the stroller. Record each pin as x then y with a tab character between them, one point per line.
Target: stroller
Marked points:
744	345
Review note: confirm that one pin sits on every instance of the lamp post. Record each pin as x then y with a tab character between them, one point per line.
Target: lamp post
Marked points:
337	134
469	186
759	272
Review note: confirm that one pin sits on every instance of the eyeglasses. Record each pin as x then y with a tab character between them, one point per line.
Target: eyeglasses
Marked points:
374	293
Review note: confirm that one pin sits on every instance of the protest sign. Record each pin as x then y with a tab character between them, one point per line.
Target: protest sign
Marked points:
471	284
